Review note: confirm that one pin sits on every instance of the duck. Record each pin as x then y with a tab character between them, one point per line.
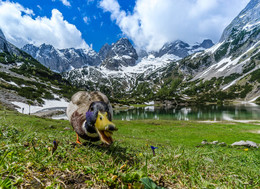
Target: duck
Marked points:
90	114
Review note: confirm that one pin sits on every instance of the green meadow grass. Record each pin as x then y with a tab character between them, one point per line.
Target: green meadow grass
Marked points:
26	158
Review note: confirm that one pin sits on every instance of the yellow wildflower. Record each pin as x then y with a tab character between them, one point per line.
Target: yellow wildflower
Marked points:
114	177
123	166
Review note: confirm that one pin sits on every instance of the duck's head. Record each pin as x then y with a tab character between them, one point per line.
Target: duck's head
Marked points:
100	117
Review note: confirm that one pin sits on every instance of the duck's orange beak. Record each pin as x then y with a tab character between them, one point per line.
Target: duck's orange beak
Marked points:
105	128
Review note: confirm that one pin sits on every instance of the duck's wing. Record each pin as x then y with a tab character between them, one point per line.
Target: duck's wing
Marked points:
80	102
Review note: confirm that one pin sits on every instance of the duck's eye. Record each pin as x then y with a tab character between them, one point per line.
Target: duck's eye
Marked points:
91	109
100	118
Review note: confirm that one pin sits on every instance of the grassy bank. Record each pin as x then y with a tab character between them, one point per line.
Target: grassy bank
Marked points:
26	157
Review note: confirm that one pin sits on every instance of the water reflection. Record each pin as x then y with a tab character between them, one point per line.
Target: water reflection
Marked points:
209	112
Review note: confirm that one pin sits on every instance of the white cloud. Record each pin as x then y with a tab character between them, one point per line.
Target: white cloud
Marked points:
21	28
39	7
154	22
86	19
66	3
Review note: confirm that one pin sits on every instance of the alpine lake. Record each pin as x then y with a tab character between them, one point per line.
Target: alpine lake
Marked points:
240	112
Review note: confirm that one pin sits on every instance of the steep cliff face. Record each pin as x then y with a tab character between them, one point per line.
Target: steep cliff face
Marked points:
247	19
122	53
231	64
236	50
62	60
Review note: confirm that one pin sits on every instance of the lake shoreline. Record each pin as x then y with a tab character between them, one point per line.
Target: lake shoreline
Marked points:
210	112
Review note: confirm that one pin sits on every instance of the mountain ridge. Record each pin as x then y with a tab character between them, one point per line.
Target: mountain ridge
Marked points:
178	72
220	73
60	60
114	56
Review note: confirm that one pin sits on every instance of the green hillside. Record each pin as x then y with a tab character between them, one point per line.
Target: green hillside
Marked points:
26	77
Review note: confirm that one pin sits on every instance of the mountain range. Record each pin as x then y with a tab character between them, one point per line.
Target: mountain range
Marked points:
119	54
226	71
179	72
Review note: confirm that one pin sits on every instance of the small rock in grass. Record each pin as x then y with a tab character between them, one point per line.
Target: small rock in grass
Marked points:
245	143
67	128
252	144
222	144
204	142
214	142
209	159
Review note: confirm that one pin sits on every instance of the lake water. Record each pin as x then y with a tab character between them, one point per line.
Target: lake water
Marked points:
205	112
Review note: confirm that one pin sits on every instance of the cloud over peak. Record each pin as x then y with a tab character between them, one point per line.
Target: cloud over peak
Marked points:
155	22
20	28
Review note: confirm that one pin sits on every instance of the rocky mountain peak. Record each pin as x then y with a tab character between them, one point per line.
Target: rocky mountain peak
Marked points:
207	43
30	49
181	49
247	19
124	47
45	47
177	48
122	53
62	60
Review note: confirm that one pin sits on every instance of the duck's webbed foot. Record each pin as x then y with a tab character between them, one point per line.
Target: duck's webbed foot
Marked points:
77	141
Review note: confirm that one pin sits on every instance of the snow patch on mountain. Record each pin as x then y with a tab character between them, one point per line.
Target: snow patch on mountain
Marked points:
227	64
151	63
251	26
26	109
213	48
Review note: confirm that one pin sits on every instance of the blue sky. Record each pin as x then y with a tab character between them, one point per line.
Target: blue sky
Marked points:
91	23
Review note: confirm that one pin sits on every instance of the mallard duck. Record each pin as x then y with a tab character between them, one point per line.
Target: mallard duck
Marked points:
90	114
